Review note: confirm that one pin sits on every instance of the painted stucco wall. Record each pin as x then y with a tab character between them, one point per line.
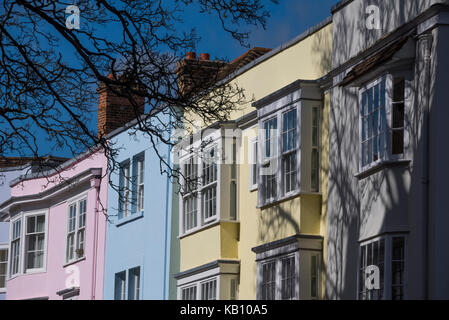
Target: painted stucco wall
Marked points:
91	268
351	36
143	241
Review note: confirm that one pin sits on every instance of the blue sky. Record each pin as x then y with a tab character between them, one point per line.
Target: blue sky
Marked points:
288	19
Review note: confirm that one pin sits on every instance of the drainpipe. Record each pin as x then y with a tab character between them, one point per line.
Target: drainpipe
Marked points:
426	40
166	219
96	184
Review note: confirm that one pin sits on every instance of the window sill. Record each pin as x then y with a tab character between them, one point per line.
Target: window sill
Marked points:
74	261
27	273
130	218
287	197
34	271
204	227
253	188
380	166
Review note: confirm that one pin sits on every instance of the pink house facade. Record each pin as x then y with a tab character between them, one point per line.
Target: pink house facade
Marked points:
57	231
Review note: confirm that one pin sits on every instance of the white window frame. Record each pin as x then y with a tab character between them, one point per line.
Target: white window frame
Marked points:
137	284
277	158
278	274
4	247
25	247
198	285
272	160
253	154
123	285
387	147
140	184
388	262
209	186
288	153
16	219
198	193
75	201
22	268
127	192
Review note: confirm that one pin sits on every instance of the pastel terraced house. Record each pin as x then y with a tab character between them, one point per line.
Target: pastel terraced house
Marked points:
255	224
138	205
387	202
57	231
10	169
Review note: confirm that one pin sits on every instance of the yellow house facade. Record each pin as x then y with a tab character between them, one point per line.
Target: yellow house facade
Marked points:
255	224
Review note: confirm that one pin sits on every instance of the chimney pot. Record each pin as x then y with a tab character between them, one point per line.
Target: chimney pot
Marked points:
191	55
205	56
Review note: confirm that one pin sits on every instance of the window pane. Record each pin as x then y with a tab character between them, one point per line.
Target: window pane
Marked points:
254	164
35	240
398	268
190	213
372	254
288	280
314	276
270	127
134	284
120	286
209	290
31	224
3	267
289	172
269	281
188	293
82	214
209	197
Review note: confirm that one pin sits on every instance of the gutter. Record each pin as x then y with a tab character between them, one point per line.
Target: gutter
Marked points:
167	189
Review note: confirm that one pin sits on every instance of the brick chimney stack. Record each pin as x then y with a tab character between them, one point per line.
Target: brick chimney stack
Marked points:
195	75
114	111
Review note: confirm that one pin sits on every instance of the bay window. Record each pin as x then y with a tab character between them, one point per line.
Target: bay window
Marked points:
382	121
76	230
28	242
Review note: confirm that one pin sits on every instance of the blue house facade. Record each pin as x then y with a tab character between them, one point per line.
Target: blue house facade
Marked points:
139	218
